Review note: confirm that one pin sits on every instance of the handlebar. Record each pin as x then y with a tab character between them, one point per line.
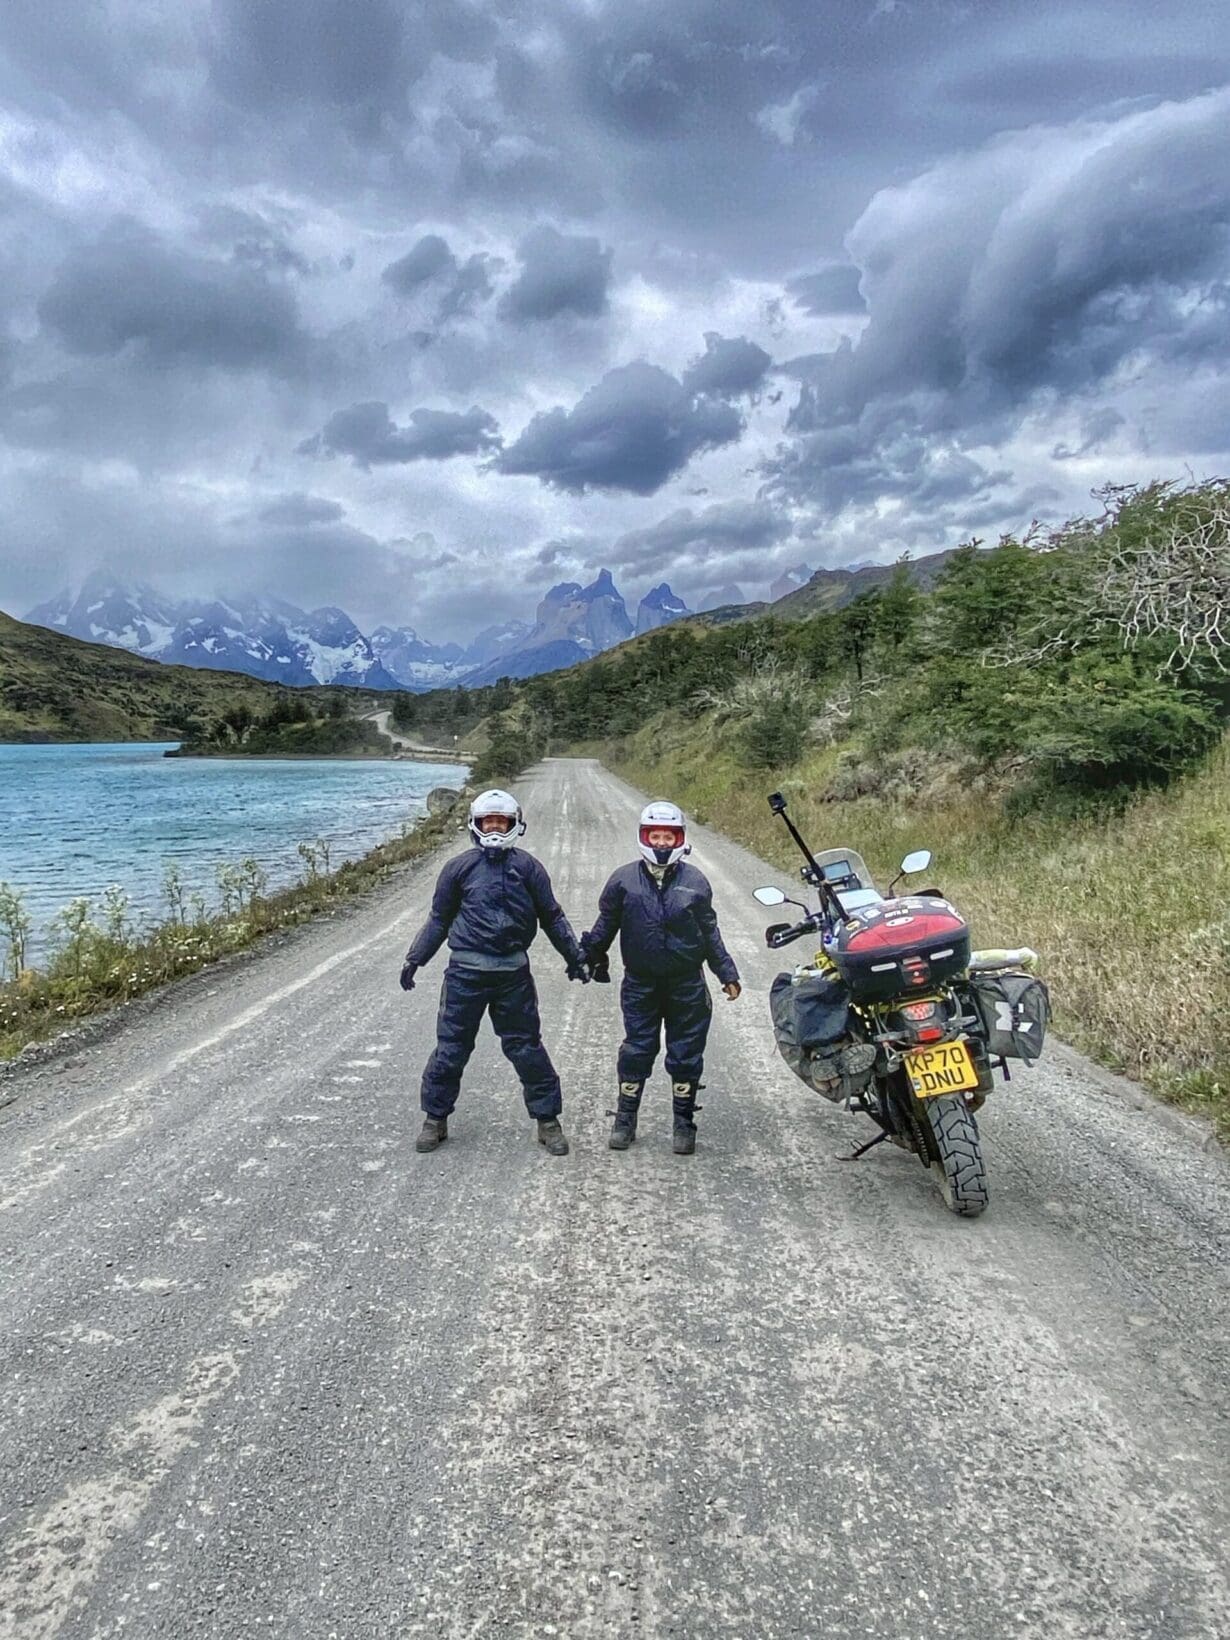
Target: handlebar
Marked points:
779	934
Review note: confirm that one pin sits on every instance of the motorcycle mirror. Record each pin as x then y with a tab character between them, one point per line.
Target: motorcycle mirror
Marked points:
769	896
918	861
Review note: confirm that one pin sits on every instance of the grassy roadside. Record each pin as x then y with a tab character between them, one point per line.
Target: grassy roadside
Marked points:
97	967
1127	909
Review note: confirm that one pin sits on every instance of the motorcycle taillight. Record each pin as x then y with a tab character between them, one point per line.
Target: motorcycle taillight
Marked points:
918	1010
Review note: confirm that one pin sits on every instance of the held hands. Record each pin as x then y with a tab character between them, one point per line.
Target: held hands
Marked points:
600	969
408	971
733	991
578	970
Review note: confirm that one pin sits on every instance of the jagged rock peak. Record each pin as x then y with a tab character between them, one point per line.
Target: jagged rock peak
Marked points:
658	607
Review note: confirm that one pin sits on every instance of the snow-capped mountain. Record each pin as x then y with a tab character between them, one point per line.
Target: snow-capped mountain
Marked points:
264	638
271	639
790	580
415	663
659	607
106	611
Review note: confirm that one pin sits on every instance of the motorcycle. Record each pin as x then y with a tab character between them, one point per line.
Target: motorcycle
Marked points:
895	1017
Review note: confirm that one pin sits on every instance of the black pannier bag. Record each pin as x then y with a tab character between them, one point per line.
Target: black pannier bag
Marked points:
912	944
811	1021
1014	1009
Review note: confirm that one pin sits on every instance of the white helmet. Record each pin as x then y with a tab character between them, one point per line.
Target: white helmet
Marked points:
496	802
662	816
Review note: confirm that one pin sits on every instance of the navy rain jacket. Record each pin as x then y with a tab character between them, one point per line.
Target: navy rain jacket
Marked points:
495	901
664	933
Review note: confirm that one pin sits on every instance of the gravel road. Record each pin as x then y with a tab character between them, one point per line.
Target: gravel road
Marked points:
266	1371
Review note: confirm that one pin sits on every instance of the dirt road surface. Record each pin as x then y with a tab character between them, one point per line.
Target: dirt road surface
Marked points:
266	1371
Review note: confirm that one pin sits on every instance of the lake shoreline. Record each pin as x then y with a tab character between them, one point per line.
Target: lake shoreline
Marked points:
79	819
42	1018
429	754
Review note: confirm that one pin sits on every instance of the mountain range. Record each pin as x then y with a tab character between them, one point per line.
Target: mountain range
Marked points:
271	639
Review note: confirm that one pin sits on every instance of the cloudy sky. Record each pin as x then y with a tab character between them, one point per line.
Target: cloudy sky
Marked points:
420	307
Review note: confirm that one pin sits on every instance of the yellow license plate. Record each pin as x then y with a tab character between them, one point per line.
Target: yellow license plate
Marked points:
946	1068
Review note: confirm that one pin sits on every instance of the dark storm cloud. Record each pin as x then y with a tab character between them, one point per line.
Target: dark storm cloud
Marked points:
429	259
1042	264
879	458
367	434
831	290
1096	428
316	51
297	511
253	239
634	430
471	286
1026	263
459	287
130	289
729	367
710	536
560	273
1031	194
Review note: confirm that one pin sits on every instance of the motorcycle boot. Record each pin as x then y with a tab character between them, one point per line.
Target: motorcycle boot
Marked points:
551	1134
623	1133
433	1133
685	1108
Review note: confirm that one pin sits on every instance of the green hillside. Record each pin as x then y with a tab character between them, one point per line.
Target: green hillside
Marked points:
54	687
831	589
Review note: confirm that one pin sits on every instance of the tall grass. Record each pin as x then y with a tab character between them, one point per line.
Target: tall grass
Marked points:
1130	911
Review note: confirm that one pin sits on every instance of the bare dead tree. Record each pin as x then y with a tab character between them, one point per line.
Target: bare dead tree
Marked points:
840	707
1173	585
1176	588
766	680
1013	653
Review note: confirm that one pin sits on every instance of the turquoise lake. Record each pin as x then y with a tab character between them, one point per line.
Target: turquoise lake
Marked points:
74	819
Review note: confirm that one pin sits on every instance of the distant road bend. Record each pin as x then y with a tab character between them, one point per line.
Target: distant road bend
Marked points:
412	748
266	1371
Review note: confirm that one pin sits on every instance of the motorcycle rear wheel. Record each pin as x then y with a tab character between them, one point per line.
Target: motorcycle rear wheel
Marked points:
957	1156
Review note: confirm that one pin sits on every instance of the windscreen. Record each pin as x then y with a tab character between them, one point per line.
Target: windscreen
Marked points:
843	865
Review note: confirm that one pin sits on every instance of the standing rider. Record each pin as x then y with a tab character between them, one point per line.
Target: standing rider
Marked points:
662	910
489	904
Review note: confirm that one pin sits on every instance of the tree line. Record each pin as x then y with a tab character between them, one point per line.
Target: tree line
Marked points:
1090	658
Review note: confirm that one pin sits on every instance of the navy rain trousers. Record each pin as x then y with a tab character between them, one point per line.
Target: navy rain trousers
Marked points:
683	1006
512	998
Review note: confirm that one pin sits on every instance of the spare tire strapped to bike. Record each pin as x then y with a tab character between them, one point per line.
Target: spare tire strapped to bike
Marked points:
1014	1009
